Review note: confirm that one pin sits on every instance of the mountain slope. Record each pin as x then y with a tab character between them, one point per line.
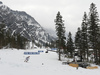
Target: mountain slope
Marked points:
21	22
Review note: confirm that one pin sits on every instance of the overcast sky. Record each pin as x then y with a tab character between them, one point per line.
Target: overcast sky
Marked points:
44	11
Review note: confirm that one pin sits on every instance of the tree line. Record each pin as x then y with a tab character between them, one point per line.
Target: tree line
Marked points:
87	37
11	40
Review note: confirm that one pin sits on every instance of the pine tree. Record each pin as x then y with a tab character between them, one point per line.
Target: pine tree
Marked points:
98	46
60	31
70	44
8	38
84	35
78	40
2	34
19	41
93	30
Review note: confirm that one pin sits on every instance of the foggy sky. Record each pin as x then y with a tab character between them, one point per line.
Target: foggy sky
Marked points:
44	11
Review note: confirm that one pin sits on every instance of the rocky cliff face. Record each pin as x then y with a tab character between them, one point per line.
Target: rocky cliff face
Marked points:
21	22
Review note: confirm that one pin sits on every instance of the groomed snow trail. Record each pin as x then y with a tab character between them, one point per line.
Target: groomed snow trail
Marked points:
12	63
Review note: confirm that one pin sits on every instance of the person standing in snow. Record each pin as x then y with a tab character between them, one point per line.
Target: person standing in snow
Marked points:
27	59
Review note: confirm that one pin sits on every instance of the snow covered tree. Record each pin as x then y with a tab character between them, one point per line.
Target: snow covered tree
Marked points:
60	31
84	35
98	47
78	40
93	30
70	44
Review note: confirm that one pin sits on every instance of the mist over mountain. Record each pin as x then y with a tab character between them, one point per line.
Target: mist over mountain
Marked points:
19	22
51	32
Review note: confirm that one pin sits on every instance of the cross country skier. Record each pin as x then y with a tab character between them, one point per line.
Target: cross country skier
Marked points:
27	59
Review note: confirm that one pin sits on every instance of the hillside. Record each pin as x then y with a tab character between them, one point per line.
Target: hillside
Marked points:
22	23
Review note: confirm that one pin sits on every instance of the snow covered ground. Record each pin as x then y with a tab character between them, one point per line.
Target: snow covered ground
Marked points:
12	63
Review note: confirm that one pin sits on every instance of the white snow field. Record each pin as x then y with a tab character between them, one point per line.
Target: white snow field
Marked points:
12	63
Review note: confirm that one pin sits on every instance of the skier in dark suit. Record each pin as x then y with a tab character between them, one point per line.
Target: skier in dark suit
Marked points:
27	59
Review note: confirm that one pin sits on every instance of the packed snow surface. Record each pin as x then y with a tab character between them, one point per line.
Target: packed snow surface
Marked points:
12	63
